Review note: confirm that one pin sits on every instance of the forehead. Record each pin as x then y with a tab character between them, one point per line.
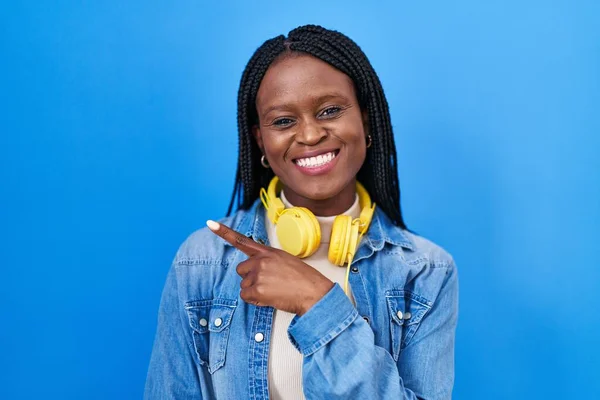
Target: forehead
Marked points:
299	78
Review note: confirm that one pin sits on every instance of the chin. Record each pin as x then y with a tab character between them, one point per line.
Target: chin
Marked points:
320	189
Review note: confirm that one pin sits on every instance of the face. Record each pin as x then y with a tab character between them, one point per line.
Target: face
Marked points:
312	132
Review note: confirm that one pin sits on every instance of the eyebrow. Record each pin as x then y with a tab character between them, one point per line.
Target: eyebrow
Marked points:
316	100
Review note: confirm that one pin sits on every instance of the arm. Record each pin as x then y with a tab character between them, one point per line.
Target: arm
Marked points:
341	360
172	373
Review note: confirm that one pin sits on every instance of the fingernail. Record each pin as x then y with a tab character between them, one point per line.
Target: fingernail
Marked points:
212	225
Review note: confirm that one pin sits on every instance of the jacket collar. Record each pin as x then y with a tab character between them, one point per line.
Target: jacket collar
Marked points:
381	231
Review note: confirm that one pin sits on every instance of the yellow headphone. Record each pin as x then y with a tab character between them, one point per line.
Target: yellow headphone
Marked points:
299	232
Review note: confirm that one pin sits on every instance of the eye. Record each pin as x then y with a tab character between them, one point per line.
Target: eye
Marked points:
331	111
282	122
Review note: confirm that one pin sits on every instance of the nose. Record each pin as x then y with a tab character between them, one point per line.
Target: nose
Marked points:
310	134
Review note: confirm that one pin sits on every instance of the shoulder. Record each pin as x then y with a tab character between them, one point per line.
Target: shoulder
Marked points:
204	247
415	249
204	265
426	250
425	271
429	269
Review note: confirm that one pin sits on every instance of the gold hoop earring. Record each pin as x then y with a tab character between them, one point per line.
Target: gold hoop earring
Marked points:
263	161
369	141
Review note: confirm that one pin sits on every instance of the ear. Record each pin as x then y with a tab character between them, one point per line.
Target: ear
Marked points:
258	137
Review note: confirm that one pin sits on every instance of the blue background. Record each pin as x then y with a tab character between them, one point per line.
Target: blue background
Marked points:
118	139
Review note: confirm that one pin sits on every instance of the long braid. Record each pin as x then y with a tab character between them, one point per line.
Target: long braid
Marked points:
378	174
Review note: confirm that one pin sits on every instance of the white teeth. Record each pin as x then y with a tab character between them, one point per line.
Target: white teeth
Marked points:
312	162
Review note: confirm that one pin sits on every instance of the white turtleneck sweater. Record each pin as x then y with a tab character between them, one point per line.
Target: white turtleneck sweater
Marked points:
285	362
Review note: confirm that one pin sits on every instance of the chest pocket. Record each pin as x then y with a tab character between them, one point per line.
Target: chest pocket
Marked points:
209	321
406	311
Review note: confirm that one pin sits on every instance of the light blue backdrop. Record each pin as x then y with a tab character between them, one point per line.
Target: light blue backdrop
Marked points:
118	139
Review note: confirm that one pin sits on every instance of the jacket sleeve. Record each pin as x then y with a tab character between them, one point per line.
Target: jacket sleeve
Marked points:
341	360
172	373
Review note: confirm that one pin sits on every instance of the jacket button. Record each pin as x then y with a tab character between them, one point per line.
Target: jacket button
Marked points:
407	315
354	269
259	337
218	322
203	322
366	319
399	314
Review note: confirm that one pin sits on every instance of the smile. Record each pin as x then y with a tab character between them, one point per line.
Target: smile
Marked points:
317	161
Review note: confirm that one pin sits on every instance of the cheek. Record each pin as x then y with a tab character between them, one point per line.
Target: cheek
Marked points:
354	135
356	143
275	143
359	153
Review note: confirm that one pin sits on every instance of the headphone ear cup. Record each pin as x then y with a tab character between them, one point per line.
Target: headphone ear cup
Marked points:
353	239
344	239
312	225
298	231
338	243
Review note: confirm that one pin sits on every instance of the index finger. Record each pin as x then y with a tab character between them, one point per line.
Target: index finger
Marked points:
236	239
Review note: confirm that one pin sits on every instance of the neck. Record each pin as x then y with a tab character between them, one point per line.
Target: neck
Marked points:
335	205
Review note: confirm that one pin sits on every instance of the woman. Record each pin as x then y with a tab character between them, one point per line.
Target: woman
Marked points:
241	318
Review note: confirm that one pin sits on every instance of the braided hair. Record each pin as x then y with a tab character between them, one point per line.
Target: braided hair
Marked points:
378	174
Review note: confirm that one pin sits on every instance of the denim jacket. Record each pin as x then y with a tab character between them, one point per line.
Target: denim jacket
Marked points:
396	343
